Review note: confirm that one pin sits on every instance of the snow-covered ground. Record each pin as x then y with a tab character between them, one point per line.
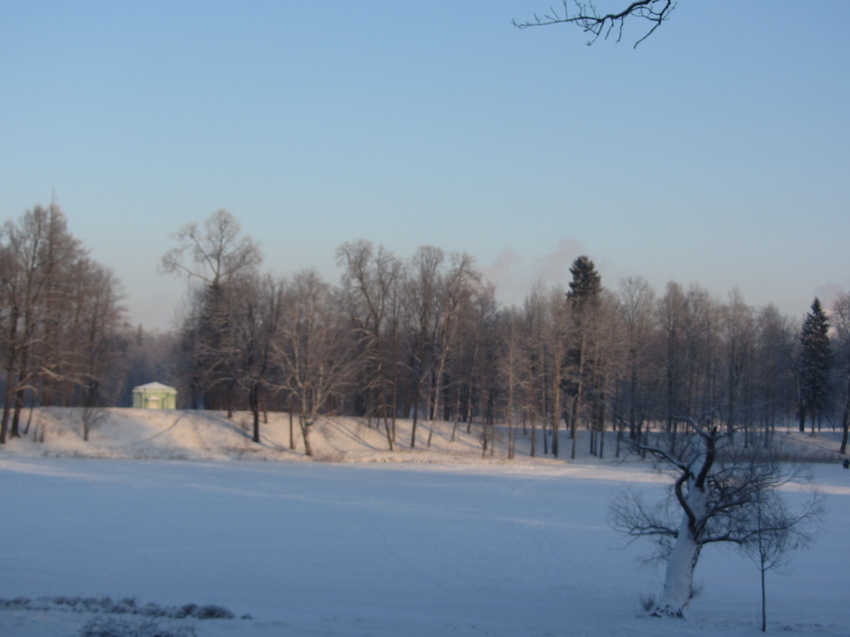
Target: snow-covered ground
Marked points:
436	543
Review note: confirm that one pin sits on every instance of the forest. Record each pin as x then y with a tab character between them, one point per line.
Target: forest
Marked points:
421	338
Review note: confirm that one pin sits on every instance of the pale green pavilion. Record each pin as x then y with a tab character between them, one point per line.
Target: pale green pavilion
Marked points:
154	396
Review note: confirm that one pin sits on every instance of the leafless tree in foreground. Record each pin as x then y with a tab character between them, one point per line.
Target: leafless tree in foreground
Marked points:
720	494
598	24
773	539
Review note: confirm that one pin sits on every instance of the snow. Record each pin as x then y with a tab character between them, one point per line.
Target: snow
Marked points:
155	385
164	507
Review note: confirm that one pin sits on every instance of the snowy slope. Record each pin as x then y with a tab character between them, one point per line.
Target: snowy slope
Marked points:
210	435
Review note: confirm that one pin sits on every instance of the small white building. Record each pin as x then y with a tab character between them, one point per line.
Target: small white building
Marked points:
154	396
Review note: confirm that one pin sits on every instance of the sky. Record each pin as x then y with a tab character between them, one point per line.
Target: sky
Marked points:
715	153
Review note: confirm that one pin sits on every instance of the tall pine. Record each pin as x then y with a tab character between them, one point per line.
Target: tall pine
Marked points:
586	284
583	299
815	360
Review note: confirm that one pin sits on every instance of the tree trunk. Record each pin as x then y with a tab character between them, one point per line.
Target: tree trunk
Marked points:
679	575
573	420
15	429
556	406
254	402
390	430
415	417
291	430
845	416
457	416
763	602
601	429
305	434
4	423
577	400
533	434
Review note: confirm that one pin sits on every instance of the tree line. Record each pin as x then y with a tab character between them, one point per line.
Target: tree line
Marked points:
421	338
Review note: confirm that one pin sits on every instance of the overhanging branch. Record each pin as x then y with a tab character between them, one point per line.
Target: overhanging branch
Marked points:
586	16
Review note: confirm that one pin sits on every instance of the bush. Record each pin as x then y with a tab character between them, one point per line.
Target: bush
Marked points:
114	627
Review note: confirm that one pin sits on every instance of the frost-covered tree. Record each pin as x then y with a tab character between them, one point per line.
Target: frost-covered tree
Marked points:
371	282
314	347
59	318
718	495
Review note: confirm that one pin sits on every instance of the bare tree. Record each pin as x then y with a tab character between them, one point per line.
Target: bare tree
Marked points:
690	342
714	498
256	321
776	532
459	283
212	252
841	316
314	347
772	374
510	364
556	326
370	284
422	318
91	417
97	340
216	254
737	332
596	24
536	356
38	256
636	301
473	365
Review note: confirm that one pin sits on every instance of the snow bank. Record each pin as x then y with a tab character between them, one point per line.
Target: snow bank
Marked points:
210	435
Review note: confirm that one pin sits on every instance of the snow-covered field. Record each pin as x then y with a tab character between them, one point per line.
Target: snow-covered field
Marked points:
436	543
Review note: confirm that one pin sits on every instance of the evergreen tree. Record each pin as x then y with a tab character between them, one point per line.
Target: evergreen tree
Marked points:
586	284
815	359
583	299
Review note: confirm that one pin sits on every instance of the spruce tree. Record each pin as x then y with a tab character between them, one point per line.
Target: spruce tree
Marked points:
815	360
583	298
586	284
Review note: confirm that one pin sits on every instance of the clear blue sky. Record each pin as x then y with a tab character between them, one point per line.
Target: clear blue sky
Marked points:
716	152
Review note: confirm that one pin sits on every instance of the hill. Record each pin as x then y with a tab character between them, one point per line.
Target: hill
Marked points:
210	435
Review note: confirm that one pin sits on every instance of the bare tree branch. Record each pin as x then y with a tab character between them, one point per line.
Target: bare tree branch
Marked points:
597	24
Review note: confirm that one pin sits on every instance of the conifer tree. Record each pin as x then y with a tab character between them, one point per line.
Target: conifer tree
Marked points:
583	299
586	284
815	360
